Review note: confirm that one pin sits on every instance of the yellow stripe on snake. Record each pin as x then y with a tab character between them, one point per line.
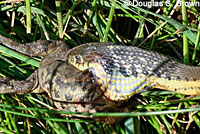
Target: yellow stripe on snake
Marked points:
123	71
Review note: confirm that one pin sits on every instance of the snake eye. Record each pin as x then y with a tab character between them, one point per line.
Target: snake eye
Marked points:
79	59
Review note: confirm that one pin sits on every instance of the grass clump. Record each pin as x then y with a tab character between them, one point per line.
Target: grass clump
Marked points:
171	30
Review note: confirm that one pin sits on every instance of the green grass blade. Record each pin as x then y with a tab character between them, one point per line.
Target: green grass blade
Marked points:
59	17
129	126
185	39
19	56
28	16
111	14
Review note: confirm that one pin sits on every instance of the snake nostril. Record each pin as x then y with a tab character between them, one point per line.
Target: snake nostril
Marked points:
72	59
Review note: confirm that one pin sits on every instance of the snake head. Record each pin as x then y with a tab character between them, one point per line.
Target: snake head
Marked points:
83	56
78	57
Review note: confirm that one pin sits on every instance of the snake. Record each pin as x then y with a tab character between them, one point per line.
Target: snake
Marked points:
122	71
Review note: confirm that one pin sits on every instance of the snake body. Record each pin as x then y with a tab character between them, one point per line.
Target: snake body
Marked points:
123	71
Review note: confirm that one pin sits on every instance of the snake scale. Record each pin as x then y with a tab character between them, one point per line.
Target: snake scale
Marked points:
123	71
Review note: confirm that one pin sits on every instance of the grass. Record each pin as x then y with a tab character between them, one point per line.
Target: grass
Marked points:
78	22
